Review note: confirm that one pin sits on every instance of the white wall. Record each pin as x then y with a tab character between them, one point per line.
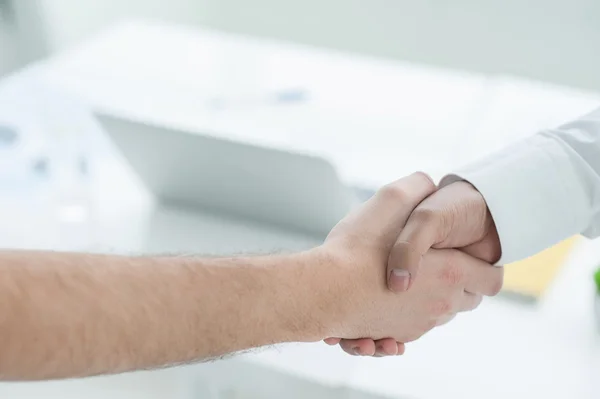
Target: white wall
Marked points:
72	20
23	32
554	40
6	51
7	43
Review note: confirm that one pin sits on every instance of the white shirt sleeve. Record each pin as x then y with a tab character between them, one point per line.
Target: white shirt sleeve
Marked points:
543	189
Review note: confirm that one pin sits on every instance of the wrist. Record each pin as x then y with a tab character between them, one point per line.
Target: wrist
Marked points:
324	294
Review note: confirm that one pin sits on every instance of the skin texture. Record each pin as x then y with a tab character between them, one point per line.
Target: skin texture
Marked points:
455	216
73	315
65	315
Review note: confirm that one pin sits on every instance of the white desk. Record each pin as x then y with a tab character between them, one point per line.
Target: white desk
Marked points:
376	120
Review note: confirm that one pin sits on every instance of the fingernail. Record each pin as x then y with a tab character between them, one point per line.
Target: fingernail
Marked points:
379	351
399	280
356	351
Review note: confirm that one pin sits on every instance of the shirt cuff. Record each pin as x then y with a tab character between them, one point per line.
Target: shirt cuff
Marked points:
533	193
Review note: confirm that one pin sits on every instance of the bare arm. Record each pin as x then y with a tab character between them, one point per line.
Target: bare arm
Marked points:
70	315
66	315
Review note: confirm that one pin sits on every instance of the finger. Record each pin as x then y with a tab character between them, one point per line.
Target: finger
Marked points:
358	347
401	349
421	232
488	249
332	341
387	211
454	216
465	214
478	277
386	347
470	301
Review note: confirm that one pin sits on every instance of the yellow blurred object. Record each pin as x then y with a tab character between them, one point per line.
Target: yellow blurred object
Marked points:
529	278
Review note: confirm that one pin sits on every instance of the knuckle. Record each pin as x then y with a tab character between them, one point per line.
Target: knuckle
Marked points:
426	178
452	273
425	214
400	191
440	307
394	192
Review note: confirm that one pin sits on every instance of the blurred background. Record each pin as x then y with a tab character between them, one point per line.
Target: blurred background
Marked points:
377	88
551	40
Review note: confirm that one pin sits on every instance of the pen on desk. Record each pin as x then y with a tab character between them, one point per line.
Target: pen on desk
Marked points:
280	97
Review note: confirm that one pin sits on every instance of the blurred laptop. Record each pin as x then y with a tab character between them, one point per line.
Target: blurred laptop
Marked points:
200	171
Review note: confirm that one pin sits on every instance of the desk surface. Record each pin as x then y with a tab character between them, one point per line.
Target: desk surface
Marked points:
504	349
374	119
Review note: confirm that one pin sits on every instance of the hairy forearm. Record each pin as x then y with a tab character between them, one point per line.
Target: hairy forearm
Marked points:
69	315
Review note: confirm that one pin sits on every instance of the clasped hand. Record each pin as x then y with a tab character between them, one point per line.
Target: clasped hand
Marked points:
421	255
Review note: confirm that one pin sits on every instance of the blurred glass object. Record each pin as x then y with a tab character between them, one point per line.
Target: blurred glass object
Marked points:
20	150
44	160
8	135
23	178
67	135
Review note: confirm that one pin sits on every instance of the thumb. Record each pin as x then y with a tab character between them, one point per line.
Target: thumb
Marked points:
421	232
455	216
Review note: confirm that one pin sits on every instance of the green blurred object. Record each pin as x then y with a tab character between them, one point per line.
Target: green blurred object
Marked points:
597	279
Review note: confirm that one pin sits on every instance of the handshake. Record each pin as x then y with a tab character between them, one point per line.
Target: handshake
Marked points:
406	261
409	260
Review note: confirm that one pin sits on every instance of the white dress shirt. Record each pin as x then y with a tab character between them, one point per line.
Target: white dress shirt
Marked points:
543	189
